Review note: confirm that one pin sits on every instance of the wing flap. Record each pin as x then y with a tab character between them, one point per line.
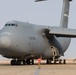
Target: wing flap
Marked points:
62	32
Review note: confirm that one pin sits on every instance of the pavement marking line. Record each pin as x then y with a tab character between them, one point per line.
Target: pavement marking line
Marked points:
37	72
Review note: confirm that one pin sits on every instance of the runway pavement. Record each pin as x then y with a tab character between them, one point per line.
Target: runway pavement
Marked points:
68	69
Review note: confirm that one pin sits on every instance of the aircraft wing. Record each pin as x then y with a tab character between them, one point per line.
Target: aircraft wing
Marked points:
61	32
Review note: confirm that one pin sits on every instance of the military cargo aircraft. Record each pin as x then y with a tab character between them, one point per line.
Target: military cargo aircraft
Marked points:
24	42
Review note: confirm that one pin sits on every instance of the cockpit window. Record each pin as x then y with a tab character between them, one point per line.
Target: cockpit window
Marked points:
11	25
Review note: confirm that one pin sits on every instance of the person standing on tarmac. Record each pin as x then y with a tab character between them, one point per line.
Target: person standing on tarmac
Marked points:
39	62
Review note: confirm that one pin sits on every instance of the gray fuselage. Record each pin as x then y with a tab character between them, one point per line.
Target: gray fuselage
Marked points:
23	40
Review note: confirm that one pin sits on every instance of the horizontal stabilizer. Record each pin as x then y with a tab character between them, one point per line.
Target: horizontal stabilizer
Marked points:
61	32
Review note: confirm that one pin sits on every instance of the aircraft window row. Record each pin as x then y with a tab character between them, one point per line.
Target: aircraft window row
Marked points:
11	25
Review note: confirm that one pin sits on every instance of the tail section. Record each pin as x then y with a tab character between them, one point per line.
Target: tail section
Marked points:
65	13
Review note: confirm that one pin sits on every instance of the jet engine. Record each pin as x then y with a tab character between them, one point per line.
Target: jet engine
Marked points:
51	52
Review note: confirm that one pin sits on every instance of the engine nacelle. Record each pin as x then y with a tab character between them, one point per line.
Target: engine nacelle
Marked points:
51	52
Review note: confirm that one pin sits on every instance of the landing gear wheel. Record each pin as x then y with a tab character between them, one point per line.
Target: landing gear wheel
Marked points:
54	61
64	61
32	61
48	61
17	62
21	62
60	61
13	62
28	61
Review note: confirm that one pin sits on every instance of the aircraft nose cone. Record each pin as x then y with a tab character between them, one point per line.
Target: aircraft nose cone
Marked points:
4	42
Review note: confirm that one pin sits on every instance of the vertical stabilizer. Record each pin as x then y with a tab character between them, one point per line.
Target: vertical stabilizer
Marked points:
65	13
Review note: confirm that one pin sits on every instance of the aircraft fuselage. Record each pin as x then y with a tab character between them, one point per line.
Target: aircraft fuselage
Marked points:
24	40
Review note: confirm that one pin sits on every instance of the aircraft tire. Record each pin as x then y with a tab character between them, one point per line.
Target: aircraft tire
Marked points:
54	61
48	61
64	61
28	61
20	62
60	61
23	62
32	61
13	62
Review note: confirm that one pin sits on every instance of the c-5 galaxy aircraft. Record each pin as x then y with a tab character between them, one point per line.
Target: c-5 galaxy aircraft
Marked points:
24	42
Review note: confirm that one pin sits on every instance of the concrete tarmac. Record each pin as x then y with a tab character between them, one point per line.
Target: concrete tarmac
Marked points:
68	69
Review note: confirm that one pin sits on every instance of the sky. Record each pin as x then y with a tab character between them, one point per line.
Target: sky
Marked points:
42	13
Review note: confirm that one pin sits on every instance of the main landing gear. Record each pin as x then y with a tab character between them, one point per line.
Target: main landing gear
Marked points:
22	62
58	61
